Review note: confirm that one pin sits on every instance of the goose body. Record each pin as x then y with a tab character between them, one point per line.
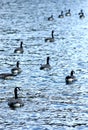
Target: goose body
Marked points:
46	66
50	39
19	49
70	78
16	70
81	16
6	76
15	102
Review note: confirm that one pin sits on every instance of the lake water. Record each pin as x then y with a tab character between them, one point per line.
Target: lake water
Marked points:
49	104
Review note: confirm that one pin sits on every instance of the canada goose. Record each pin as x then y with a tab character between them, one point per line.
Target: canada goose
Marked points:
51	18
50	39
68	13
70	78
46	66
81	14
16	70
61	15
19	49
15	102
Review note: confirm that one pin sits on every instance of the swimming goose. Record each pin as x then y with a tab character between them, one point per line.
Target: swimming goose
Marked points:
81	14
68	13
51	18
46	66
70	78
15	102
19	49
50	39
61	15
16	70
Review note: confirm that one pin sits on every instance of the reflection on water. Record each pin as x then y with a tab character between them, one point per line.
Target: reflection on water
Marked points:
49	104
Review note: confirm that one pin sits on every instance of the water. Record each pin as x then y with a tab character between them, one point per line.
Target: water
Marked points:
50	104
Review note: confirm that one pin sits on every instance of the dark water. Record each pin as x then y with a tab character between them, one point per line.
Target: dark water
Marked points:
50	104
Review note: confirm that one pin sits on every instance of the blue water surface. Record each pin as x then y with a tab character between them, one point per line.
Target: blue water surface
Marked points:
49	104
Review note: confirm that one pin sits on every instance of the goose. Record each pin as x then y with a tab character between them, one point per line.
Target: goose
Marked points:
68	13
50	39
16	70
51	18
70	78
46	66
15	102
61	15
81	12
19	49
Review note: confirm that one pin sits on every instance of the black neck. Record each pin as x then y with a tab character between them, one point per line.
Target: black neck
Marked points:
81	11
17	64
52	34
69	10
21	45
72	72
61	12
15	92
47	60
